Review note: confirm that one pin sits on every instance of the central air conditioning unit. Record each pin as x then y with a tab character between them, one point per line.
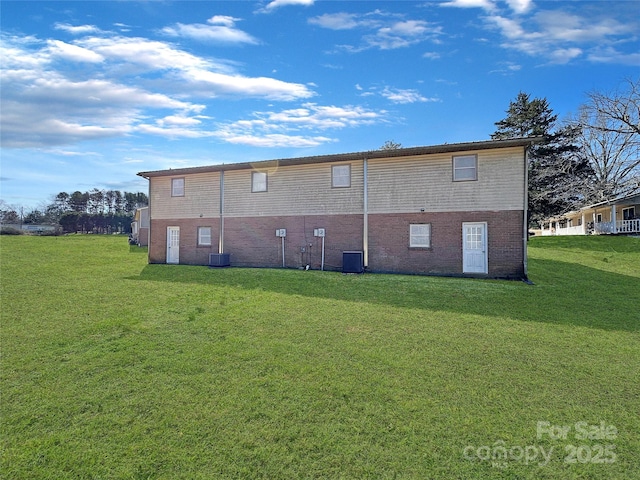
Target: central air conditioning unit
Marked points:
219	260
353	262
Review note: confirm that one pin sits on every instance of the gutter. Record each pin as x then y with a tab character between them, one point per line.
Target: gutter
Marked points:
365	216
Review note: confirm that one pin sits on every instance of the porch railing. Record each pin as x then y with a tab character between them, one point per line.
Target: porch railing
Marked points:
629	226
622	226
575	230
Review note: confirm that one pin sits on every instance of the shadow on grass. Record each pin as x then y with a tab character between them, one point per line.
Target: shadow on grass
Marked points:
137	249
564	293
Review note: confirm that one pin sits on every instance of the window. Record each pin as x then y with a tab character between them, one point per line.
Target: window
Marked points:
599	218
258	181
177	187
465	168
629	213
204	235
420	235
341	175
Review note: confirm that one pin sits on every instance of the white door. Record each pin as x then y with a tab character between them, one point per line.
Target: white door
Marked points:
474	248
173	244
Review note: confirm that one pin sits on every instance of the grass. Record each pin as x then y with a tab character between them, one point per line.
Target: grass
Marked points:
115	369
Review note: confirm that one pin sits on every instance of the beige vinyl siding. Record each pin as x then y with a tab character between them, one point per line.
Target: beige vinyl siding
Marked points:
201	197
294	190
413	183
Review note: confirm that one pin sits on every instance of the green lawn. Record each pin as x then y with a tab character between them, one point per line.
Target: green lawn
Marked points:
115	369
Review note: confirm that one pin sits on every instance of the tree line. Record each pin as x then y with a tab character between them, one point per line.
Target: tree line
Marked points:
94	211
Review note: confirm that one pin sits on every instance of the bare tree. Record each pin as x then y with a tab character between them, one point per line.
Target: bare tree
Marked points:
390	145
620	109
610	141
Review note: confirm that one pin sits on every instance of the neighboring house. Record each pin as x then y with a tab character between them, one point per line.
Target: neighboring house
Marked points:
140	227
453	209
618	216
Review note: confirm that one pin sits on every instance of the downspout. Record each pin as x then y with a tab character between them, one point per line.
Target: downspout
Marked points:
221	233
365	215
525	237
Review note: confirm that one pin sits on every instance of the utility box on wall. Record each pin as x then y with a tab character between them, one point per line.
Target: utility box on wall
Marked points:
219	260
352	262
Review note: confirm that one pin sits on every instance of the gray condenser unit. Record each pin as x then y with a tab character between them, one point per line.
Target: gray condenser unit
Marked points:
352	262
219	260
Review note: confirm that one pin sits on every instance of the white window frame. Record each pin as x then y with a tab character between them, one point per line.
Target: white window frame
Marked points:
420	235
177	187
628	209
461	173
204	239
259	182
340	179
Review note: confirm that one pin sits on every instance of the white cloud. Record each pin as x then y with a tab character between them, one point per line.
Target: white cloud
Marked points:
45	101
281	128
398	95
150	54
520	6
611	55
73	52
337	21
77	30
564	55
485	4
199	76
181	120
274	140
274	4
558	36
218	84
386	32
172	131
220	29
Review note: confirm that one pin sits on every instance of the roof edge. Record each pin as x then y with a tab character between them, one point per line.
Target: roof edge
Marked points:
342	157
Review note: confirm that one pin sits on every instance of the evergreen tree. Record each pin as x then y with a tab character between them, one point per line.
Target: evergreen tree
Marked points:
557	174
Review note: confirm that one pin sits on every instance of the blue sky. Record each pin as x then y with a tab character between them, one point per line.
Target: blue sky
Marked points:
94	92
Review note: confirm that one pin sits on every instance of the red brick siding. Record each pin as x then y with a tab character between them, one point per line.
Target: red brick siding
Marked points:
190	252
251	241
389	243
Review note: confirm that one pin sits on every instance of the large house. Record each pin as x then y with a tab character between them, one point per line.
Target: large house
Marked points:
452	209
617	216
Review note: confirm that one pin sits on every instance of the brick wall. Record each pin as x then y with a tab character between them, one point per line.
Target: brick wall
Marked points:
251	241
389	243
190	252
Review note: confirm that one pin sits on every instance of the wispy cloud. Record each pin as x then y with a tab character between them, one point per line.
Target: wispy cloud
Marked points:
560	37
219	29
518	6
77	29
383	31
45	104
399	95
298	126
275	4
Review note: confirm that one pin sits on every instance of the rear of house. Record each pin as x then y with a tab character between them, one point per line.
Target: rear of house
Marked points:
454	209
